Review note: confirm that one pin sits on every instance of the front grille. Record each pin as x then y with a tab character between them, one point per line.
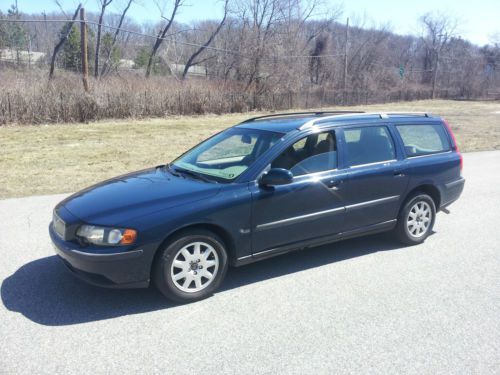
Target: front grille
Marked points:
59	225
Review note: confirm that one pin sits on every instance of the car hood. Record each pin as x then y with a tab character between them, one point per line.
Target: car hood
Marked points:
121	199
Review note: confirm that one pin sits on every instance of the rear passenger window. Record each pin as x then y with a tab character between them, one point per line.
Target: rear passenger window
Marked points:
368	145
423	139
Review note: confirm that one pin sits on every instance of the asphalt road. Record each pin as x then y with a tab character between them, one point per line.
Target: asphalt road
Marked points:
362	306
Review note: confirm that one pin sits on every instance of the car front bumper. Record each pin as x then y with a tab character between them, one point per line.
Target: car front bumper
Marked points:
124	268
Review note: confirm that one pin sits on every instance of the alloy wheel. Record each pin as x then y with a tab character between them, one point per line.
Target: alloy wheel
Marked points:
194	267
419	219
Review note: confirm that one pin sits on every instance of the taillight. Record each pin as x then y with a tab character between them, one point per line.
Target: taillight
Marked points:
455	145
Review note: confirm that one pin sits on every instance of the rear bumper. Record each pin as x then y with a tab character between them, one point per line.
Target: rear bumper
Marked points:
128	268
452	191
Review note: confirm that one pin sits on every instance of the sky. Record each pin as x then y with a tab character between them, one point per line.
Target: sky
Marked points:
478	20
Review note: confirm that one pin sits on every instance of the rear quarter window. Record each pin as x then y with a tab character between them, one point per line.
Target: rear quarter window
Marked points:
423	139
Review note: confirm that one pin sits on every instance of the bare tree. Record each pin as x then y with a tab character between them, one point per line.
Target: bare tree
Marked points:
104	4
262	17
106	65
438	31
273	28
305	31
192	59
231	38
365	51
161	35
315	61
63	39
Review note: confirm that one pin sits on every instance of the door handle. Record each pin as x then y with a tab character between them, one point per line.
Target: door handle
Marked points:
334	184
398	173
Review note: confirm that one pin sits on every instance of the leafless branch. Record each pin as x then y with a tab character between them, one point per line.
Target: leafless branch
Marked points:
63	39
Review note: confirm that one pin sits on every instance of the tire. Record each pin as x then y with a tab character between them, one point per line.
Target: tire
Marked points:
197	254
416	219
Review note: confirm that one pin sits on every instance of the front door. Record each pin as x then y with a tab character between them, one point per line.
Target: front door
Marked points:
309	208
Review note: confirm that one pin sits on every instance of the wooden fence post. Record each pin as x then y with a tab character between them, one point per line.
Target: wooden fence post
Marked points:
9	106
85	65
61	104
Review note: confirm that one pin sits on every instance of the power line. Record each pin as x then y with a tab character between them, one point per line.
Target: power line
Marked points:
224	50
236	53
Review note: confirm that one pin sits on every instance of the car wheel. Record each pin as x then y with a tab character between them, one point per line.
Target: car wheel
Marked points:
191	266
416	219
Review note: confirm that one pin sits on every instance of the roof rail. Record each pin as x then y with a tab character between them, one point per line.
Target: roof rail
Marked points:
315	113
423	114
382	115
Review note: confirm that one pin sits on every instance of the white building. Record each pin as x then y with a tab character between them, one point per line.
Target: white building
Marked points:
28	57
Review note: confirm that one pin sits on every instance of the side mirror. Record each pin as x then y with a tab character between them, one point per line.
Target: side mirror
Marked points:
276	176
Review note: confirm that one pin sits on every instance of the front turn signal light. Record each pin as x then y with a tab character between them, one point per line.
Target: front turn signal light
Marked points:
129	236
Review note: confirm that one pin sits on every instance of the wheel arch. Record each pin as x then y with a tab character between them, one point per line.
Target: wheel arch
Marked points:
214	228
429	189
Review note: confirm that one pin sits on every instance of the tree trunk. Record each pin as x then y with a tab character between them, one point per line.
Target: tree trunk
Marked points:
104	3
434	77
115	37
191	61
161	37
61	42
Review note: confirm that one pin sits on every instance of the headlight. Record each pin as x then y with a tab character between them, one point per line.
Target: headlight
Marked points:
106	236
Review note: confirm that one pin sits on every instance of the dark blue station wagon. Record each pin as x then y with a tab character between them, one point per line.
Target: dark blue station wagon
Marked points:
264	187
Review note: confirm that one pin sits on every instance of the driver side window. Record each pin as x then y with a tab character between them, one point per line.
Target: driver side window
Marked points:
311	154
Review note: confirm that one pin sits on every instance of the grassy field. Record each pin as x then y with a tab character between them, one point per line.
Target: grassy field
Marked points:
46	159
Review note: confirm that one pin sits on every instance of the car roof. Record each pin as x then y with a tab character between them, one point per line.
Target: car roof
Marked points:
287	122
281	125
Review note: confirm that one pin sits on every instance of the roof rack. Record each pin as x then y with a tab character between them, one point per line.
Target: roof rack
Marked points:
382	115
423	114
315	113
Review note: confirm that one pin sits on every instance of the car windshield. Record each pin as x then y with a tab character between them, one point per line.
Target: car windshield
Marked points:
226	155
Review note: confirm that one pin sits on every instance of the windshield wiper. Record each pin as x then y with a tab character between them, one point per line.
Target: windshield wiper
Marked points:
191	173
172	170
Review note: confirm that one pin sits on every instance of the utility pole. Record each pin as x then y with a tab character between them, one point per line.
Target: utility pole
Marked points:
83	43
29	50
45	21
434	76
344	86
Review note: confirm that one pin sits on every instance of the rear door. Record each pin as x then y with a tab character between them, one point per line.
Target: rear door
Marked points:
376	174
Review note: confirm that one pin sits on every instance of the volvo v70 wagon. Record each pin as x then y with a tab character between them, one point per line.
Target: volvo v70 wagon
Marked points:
267	186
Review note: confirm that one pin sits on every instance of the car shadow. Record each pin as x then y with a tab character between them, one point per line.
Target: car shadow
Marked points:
46	293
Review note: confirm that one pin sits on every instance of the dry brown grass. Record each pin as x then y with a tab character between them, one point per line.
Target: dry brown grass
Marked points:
47	159
27	97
